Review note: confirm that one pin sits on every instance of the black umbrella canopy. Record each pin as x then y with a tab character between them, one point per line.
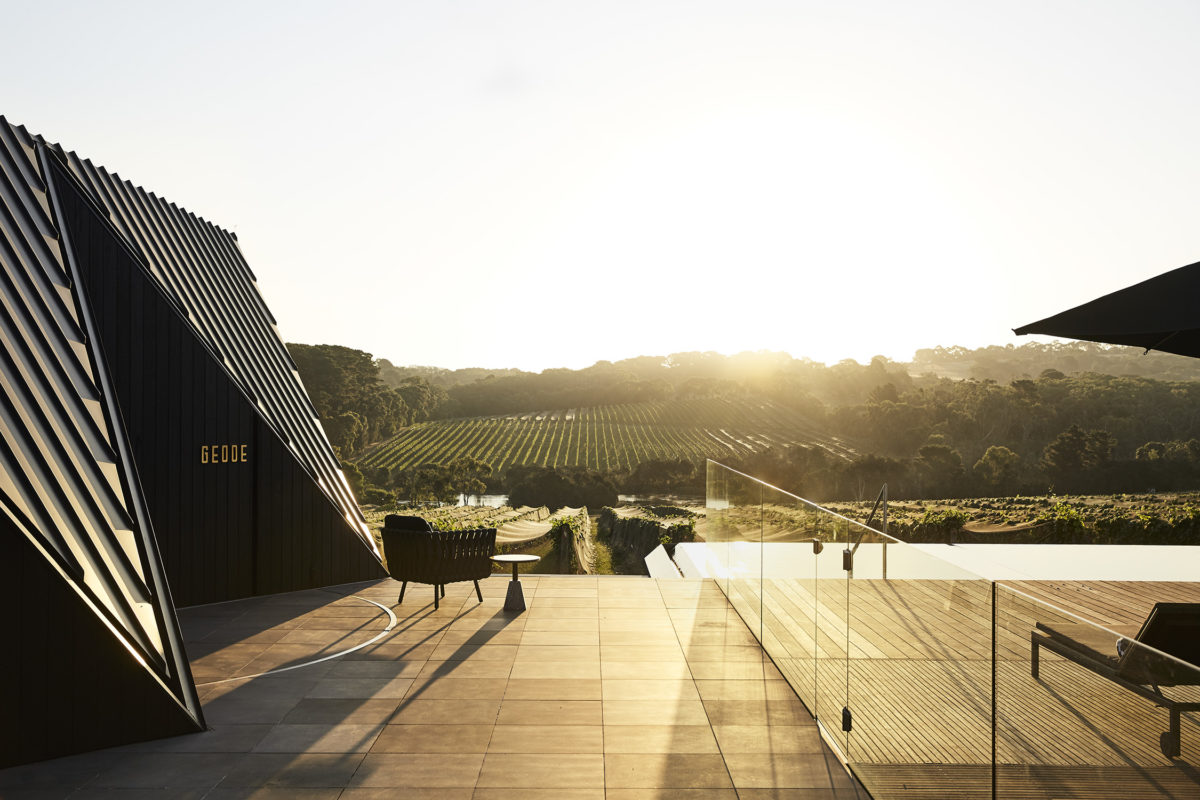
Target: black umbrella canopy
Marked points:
1162	313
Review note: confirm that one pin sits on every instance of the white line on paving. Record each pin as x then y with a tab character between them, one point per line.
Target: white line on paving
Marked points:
384	632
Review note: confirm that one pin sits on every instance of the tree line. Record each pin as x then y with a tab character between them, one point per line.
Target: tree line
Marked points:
551	487
800	382
945	438
355	406
426	484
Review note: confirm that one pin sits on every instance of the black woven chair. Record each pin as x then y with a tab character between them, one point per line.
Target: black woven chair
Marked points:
417	553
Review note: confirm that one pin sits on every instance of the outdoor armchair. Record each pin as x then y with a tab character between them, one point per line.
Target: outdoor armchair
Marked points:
415	552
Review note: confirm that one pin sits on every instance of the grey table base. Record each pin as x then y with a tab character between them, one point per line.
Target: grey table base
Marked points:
514	601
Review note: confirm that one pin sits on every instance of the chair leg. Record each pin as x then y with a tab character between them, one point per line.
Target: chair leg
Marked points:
443	590
435	597
403	586
1169	740
478	593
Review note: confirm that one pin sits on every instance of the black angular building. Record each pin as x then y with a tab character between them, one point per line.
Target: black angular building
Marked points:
157	449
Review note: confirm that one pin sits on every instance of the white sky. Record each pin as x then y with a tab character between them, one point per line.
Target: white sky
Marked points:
541	184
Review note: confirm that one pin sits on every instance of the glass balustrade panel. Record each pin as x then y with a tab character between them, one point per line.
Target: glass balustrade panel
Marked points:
733	531
714	528
790	595
918	670
831	616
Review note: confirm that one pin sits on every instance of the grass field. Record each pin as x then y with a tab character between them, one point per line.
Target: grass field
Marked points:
606	438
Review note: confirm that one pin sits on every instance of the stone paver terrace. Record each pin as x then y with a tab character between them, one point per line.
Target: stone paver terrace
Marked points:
611	687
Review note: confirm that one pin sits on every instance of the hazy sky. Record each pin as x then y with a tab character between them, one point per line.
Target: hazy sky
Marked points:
540	184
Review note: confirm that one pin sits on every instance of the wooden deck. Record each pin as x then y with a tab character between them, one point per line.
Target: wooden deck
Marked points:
912	659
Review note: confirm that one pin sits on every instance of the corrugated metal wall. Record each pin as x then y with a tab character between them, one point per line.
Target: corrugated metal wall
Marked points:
201	268
78	562
67	685
236	511
147	405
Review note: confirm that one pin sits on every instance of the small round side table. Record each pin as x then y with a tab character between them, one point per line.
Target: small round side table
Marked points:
515	599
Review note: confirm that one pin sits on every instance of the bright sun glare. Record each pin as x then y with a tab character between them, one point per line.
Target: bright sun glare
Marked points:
554	184
765	229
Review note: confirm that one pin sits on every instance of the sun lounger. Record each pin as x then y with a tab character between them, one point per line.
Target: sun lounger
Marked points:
1173	628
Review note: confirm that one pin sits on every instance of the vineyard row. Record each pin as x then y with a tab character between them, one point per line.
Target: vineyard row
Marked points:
606	438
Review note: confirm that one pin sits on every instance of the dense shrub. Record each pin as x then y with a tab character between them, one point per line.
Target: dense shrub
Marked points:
558	488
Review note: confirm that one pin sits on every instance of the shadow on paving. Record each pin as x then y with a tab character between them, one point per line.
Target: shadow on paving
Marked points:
622	685
303	724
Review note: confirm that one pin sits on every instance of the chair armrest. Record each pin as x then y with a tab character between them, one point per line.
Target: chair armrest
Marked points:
1087	640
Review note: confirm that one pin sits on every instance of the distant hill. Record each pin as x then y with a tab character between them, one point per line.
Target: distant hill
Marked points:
608	437
392	375
796	382
1007	363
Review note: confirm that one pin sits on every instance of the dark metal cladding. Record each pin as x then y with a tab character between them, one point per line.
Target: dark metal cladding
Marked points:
222	487
156	445
201	267
75	526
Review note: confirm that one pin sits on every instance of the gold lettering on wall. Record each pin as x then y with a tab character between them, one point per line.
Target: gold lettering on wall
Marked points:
224	453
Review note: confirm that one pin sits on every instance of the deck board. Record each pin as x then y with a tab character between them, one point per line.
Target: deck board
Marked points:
954	782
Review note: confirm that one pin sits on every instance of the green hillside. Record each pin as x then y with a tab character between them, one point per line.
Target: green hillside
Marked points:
606	438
